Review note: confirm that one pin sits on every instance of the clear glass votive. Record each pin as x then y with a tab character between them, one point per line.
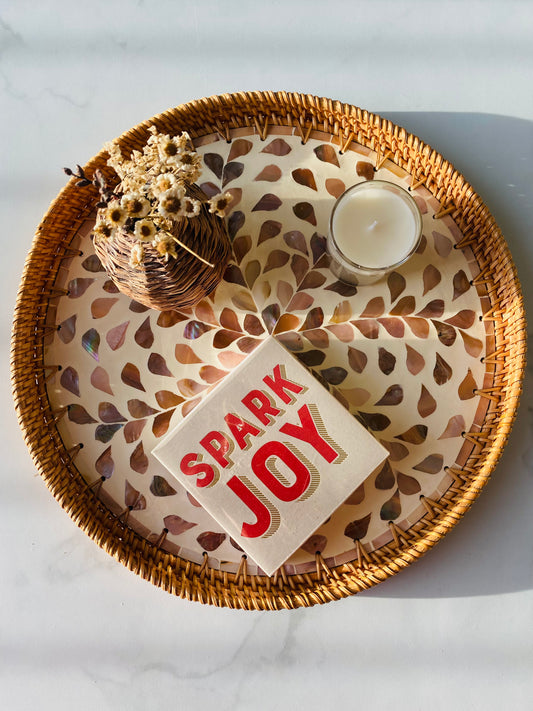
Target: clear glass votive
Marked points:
374	227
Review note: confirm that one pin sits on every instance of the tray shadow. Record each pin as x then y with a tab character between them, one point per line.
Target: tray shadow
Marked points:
489	552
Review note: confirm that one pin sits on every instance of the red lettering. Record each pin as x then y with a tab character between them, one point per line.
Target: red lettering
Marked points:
256	506
280	385
309	433
241	429
267	471
192	464
217	445
261	406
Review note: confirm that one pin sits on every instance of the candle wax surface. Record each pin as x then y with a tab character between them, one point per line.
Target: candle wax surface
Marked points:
374	228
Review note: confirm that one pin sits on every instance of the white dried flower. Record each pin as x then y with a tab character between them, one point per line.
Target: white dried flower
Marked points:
163	182
136	255
220	203
115	214
165	245
103	230
171	203
170	147
144	230
135	204
191	207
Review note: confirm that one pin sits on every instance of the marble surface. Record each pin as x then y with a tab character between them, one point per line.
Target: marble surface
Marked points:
77	630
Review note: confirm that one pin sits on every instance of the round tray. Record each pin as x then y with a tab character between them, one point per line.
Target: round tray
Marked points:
430	360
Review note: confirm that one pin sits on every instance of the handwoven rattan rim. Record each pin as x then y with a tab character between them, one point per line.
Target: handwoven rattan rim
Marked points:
346	123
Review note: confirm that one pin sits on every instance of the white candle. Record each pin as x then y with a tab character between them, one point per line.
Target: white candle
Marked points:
375	226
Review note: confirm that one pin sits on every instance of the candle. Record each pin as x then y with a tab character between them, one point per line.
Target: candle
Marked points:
374	227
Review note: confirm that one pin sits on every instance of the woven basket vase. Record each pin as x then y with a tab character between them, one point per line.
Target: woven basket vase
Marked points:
172	283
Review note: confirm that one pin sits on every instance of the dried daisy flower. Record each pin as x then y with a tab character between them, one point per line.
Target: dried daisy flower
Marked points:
145	230
115	214
191	207
163	182
165	245
135	204
103	230
220	203
171	203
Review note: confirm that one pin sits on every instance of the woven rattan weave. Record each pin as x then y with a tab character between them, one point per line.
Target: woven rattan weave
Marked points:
35	322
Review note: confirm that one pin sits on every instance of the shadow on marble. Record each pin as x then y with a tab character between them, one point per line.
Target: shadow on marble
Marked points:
489	552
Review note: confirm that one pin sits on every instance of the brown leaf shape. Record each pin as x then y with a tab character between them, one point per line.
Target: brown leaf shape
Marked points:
385	478
426	403
394	326
421	245
392	508
215	163
356	530
269	229
224	338
160	487
104	465
357	359
376	421
241	246
112	288
463	319
318	246
467	387
185	354
107	412
105	433
415	361
167	319
233	275
404	307
101	307
335	187
461	284
133	430
144	336
304	176
365	169
432	464
455	427
334	375
229	359
158	366
133	499
354	396
134	305
92	264
300	302
190	388
287	322
296	240
386	361
422	205
393	395
407	485
292	341
70	380
204	312
317	337
443	245
314	319
253	325
139	460
342	312
243	301
232	171
138	408
247	344
161	423
442	372
239	147
368	327
276	259
397	450
115	336
299	266
79	415
396	283
131	376
445	333
357	497
100	380
419	326
211	374
268	203
229	320
270	174
167	399
315	544
473	346
434	309
90	341
270	316
305	211
284	292
414	435
312	358
326	153
431	278
67	329
176	525
277	147
312	280
195	329
235	222
375	307
78	287
210	541
236	196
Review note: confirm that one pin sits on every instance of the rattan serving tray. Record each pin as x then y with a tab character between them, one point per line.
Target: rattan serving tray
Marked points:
430	360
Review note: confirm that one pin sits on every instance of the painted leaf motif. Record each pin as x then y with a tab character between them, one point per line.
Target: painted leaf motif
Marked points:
463	319
299	266
284	292
112	288
204	312
134	305
243	301
415	362
355	396
270	174
407	485
445	333
70	380
239	147
230	360
100	380
368	327
67	329
241	246
229	320
133	499
210	541
161	487
326	153
431	278
357	359
287	322
92	264
210	189
268	203
78	287
224	338
304	176
193	500
455	427
419	326
91	342
105	433
443	245
312	358
253	325
392	508
104	465
315	544
365	169
396	283
442	372
215	163
79	415
108	412
277	147
300	302
334	375
190	388
139	460
376	421
404	307
131	376
314	319
432	464
318	246
385	478
158	366
305	211
211	374
144	336
357	497
394	326
167	399
461	284
426	403
414	435
397	450
392	396
343	332
176	525
233	275
276	259
335	187
167	319
422	245
375	307
473	346
235	222
138	408
422	205
467	387
339	287
317	337
133	430
101	307
357	530
236	196
161	423
232	171
195	329
247	344
296	240
434	309
269	229
292	341
342	312
185	354
386	360
312	280
270	316
115	336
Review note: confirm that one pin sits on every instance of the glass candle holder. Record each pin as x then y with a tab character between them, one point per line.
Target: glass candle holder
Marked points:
374	227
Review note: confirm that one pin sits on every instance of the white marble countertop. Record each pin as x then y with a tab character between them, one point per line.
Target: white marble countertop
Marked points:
77	630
